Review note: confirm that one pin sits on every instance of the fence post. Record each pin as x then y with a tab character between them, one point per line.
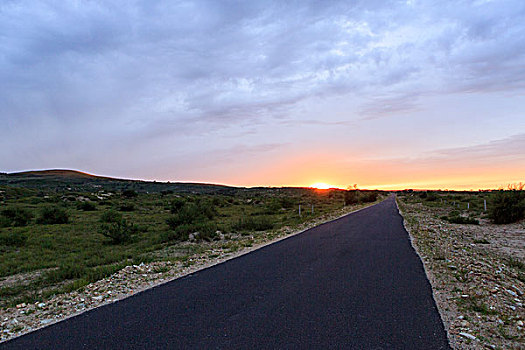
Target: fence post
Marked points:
485	204
299	209
468	205
312	208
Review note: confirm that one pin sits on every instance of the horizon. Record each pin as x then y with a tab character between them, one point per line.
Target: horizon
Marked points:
385	95
316	186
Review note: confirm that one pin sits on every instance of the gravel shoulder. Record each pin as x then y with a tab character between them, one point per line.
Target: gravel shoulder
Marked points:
477	275
133	279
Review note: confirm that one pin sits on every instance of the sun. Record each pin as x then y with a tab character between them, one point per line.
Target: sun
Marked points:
321	186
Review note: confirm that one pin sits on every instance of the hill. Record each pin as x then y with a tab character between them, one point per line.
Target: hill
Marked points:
73	180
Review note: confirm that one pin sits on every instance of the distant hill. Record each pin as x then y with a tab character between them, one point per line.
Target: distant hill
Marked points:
63	173
73	180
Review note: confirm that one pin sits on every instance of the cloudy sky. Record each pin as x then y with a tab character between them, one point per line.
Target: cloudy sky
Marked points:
385	94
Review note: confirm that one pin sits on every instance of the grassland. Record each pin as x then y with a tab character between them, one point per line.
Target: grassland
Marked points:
39	258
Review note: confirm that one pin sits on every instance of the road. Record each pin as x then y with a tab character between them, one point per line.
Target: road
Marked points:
353	283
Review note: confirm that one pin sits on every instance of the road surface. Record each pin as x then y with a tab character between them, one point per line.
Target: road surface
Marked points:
353	283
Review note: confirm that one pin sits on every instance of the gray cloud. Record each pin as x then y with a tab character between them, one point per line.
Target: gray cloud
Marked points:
77	78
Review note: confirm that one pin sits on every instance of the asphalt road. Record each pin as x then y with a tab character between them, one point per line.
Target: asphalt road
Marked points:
353	283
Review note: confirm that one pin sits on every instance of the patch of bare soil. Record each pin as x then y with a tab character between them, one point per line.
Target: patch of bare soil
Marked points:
477	274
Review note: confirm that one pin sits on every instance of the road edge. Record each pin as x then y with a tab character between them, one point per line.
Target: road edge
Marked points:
197	269
428	275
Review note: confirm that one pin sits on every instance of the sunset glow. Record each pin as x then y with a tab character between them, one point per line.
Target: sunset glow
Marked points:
378	95
322	186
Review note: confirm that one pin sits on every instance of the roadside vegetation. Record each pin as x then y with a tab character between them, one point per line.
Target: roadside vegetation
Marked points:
57	241
475	261
503	206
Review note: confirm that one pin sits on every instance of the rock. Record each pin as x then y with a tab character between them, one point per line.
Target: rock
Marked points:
464	296
517	290
519	323
46	321
41	305
467	335
19	306
514	294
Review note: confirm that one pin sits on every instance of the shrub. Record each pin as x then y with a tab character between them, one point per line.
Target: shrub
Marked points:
192	212
129	194
110	216
260	223
65	272
86	206
463	220
12	239
369	196
176	205
206	231
53	215
15	217
127	207
356	196
119	232
431	196
507	206
351	197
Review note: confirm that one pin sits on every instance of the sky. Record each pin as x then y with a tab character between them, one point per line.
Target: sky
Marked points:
382	94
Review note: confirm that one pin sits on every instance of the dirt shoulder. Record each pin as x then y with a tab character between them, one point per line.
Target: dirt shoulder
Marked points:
477	274
24	318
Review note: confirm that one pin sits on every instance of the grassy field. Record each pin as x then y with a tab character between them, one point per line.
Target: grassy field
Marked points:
55	241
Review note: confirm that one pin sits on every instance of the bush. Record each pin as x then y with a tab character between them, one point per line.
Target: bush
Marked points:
127	207
15	217
110	216
119	232
351	197
356	196
191	213
206	231
65	272
176	205
507	206
462	220
431	196
53	215
12	239
86	206
260	223
369	196
129	194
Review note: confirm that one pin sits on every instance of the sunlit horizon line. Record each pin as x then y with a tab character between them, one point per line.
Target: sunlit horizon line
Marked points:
415	185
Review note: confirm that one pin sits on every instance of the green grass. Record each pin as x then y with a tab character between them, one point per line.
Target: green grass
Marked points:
76	252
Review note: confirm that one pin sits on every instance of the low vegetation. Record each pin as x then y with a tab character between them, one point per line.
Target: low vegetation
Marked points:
71	238
471	244
508	206
502	206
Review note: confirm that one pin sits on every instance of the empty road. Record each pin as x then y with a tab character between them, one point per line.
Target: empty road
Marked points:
353	283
